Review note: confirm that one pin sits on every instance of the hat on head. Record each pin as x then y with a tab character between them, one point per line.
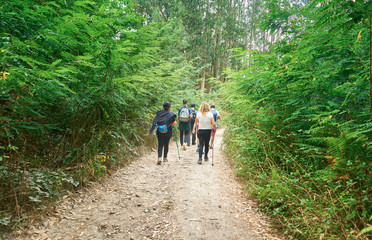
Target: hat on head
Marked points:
213	106
192	104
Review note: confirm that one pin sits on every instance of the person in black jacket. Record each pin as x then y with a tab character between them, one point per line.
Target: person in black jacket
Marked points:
163	120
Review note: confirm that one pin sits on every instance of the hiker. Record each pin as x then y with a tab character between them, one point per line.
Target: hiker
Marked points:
205	121
216	115
164	120
193	114
184	116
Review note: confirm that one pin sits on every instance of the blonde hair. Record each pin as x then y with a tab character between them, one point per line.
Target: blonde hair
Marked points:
204	108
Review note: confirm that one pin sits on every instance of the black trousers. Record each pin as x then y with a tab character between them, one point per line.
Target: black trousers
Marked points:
204	136
193	134
163	142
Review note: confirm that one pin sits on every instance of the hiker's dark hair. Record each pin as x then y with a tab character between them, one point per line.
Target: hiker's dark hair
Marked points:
166	105
184	101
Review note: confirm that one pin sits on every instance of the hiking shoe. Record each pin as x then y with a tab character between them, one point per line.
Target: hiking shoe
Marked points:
200	161
184	146
165	160
159	161
206	159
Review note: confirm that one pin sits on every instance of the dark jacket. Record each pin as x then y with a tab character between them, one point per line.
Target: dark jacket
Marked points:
163	117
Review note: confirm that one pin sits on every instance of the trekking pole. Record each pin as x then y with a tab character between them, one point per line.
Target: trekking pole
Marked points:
175	139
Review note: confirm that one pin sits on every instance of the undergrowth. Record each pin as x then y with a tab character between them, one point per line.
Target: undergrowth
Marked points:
305	204
80	83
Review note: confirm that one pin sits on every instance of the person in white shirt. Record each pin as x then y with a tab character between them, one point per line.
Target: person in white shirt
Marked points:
216	115
205	121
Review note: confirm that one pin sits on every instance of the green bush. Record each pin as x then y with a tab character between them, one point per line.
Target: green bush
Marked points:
80	81
300	127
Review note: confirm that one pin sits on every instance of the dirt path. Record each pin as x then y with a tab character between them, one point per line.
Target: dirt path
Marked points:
177	200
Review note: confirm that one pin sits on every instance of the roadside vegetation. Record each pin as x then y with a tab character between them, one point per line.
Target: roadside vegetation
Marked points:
80	82
299	124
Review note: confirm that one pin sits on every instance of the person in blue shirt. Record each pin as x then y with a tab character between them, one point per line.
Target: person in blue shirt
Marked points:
184	117
193	116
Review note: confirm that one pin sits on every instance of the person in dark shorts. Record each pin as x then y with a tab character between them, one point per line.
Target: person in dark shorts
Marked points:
216	116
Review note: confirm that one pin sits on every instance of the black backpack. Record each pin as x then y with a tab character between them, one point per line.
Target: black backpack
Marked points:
193	115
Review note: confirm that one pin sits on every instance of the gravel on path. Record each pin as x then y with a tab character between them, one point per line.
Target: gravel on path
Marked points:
176	200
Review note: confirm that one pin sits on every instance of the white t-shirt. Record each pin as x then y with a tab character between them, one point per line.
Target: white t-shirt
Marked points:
205	121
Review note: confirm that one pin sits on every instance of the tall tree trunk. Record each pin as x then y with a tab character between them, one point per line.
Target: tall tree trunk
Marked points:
370	68
202	86
218	32
263	41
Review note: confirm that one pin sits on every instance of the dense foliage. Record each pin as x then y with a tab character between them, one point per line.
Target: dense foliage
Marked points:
79	82
300	119
213	28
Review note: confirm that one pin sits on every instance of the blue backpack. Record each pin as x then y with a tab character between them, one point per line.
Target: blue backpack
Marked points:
163	128
214	112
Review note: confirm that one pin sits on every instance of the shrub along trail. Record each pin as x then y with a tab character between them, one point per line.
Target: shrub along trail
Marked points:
177	200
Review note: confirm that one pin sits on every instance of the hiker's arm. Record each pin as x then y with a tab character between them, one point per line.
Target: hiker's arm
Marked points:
173	120
196	124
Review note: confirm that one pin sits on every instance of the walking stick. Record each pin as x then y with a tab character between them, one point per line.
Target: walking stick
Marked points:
175	139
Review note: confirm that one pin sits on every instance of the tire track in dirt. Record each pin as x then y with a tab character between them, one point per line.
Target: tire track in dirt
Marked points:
177	200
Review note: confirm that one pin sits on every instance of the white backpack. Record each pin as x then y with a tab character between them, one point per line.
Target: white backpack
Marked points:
184	114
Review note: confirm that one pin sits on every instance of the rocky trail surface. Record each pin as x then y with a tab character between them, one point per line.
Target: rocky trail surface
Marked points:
176	200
